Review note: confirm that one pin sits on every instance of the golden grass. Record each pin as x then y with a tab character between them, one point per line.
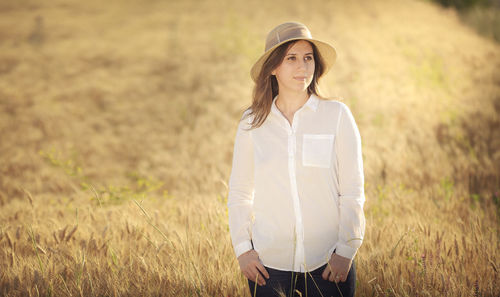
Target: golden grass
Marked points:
117	121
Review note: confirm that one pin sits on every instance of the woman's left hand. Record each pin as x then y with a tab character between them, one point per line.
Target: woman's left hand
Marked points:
337	266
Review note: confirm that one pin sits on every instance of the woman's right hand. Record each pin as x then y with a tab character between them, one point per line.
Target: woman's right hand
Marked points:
250	267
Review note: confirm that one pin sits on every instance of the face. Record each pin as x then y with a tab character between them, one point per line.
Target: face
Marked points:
295	73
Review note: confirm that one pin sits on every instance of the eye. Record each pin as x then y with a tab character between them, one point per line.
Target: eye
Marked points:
308	58
291	58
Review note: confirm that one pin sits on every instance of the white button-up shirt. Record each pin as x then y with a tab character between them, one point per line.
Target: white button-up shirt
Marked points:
296	192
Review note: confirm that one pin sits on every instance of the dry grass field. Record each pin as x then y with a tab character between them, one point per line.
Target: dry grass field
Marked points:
117	122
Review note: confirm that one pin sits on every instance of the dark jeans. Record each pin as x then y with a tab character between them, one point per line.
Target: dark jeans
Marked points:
281	281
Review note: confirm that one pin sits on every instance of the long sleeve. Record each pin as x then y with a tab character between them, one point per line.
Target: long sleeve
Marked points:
351	185
241	190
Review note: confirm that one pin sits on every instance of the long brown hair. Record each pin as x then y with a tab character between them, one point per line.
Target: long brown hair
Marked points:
266	85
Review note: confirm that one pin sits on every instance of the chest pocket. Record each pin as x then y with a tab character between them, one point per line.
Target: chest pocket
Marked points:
317	150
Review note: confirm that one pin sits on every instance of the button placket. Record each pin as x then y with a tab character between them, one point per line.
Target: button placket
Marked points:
299	228
299	257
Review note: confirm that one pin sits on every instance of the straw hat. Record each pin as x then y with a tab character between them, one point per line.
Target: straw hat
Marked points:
293	31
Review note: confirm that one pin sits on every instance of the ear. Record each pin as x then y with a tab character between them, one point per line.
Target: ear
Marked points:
273	72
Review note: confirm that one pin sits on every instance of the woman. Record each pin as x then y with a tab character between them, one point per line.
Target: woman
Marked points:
296	190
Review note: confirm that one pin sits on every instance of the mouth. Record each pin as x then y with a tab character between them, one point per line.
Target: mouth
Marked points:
300	78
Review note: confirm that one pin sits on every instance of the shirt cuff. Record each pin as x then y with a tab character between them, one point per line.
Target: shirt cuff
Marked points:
345	251
243	247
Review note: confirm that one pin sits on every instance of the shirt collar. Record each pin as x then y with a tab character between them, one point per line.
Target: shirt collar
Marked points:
274	108
311	103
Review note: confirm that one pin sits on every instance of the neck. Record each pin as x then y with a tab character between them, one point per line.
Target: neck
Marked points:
289	103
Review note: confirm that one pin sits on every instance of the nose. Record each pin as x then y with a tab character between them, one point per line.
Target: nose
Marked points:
302	65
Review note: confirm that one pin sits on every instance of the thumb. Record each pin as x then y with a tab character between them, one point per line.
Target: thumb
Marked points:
325	273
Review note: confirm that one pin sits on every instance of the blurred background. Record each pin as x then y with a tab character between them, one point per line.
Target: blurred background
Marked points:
117	124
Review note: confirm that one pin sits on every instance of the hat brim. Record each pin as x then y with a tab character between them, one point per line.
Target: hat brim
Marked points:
326	51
